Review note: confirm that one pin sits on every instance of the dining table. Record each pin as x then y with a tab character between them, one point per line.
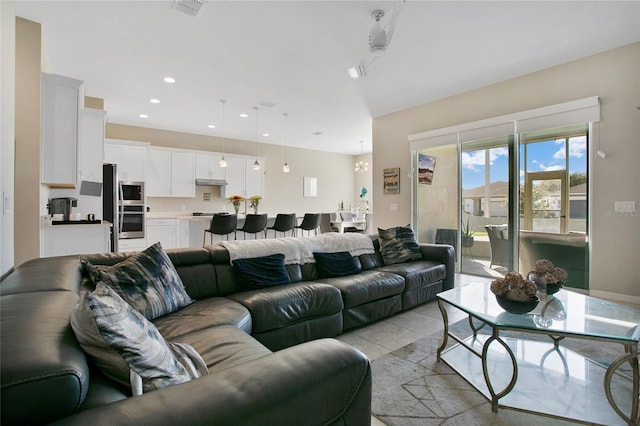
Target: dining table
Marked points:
343	224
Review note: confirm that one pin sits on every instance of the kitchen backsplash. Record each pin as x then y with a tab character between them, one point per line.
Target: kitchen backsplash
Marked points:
167	204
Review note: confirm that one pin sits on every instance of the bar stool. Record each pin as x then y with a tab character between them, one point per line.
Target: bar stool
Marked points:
284	223
310	222
221	224
254	223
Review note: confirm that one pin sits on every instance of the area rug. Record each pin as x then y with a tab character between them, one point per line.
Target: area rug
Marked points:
410	387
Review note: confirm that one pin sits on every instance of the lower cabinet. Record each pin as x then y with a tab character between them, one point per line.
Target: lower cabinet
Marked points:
62	240
132	244
171	233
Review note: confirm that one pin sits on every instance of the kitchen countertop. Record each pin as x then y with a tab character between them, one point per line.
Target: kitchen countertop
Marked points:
100	224
180	215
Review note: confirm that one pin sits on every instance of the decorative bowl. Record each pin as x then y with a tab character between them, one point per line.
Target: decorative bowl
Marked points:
554	288
517	307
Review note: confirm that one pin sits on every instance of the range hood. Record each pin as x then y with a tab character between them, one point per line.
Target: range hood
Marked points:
211	182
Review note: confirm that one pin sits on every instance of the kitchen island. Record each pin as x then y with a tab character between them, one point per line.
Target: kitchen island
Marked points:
72	238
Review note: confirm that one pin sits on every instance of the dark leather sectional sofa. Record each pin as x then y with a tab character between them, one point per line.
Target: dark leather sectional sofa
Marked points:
270	354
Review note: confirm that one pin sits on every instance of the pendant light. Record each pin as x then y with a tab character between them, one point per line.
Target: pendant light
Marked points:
256	164
285	166
361	166
223	162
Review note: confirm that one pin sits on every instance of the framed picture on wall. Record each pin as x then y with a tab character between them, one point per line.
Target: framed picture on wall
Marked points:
392	180
310	186
426	166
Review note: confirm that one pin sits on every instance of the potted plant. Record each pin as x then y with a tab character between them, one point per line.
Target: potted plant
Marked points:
254	201
236	200
467	233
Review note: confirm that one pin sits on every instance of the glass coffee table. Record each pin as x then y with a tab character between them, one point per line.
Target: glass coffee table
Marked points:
521	361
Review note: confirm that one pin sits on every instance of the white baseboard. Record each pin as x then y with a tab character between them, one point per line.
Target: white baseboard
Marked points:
616	297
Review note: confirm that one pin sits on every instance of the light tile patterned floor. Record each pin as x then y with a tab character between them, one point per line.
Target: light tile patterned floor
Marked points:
382	337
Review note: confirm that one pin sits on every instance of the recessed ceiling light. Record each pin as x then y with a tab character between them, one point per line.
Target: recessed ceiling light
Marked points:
154	101
243	115
265	134
143	116
169	80
317	133
211	126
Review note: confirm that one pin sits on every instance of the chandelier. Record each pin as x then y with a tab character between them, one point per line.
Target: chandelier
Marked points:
361	166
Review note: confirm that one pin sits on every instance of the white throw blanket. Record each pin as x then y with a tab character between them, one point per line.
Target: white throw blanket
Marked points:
300	250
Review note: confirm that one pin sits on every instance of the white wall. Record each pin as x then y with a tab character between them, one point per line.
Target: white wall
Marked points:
7	135
611	75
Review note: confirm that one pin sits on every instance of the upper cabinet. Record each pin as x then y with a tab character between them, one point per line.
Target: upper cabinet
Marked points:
171	173
131	158
242	179
208	166
61	99
91	143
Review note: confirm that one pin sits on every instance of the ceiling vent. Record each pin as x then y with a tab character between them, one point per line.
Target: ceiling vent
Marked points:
188	7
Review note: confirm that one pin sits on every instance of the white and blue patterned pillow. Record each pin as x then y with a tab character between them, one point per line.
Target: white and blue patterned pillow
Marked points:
147	281
127	347
398	245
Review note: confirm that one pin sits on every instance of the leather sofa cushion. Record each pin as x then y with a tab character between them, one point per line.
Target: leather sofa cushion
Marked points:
418	274
277	307
224	347
366	286
203	314
45	375
45	274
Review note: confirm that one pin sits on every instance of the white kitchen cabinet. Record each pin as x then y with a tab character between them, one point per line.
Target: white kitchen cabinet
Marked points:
131	158
62	240
132	244
59	130
183	174
159	173
208	166
235	177
91	143
242	179
171	173
165	231
183	233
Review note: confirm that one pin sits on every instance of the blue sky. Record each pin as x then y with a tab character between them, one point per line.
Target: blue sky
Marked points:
541	156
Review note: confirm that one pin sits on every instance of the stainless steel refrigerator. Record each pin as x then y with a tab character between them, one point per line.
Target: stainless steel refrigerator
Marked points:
110	191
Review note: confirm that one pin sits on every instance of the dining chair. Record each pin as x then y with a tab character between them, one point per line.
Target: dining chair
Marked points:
284	223
254	223
221	224
325	223
310	222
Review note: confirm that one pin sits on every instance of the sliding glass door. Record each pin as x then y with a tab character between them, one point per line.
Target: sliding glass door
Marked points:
485	201
554	201
505	202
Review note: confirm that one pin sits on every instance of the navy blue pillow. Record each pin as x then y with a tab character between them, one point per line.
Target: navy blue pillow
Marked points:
336	264
258	272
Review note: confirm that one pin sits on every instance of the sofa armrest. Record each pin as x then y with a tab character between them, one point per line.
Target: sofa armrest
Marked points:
442	253
319	382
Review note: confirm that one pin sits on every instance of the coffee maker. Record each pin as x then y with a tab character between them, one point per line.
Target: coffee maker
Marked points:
62	205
